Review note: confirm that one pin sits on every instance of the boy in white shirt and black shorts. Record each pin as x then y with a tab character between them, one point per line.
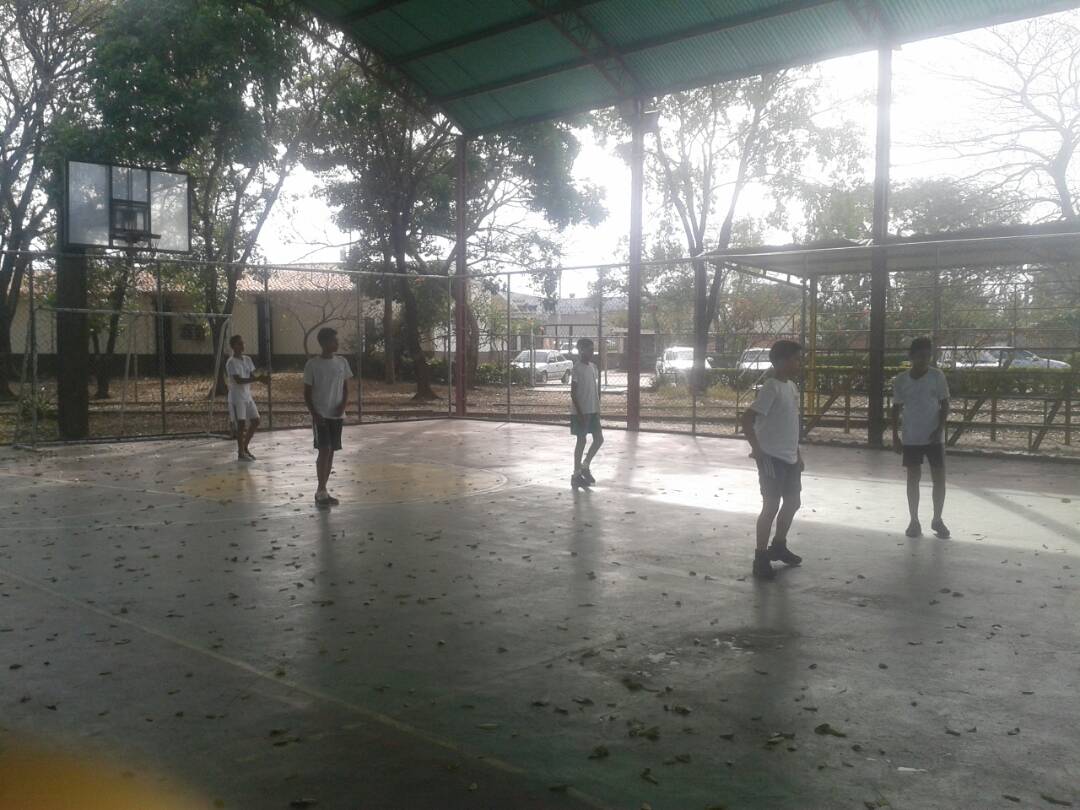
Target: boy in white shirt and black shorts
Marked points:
326	394
771	425
239	375
921	399
585	413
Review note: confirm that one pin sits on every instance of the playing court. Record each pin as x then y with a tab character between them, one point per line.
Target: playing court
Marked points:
464	631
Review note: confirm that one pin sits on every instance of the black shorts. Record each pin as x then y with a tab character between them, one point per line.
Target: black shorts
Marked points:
327	433
778	479
933	453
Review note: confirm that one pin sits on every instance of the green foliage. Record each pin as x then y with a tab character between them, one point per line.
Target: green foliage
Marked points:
35	401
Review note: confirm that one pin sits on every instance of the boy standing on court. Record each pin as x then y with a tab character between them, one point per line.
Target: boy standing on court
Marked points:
326	394
240	374
771	425
921	399
585	415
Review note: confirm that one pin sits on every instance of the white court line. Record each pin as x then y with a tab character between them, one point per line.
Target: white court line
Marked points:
312	692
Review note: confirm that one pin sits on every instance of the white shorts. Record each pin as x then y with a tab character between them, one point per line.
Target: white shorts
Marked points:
242	410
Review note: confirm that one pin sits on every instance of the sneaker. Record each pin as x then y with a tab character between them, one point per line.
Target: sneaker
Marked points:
762	567
586	476
914	529
578	480
250	457
780	552
940	529
330	499
244	457
322	499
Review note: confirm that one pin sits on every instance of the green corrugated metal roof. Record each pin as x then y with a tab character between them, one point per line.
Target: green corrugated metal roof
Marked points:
490	64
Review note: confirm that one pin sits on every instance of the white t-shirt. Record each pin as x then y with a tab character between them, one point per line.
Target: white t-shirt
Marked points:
242	366
922	400
777	420
586	377
327	377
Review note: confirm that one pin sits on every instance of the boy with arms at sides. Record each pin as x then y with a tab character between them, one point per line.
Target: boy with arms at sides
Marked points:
772	427
326	394
585	416
921	400
240	374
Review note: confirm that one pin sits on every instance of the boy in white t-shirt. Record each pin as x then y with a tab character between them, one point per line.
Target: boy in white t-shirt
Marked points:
239	375
326	394
921	399
771	425
585	413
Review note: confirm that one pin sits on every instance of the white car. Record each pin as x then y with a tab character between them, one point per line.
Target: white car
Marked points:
755	360
677	363
997	357
547	364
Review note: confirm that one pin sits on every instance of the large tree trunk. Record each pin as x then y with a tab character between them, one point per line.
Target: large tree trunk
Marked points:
424	391
7	360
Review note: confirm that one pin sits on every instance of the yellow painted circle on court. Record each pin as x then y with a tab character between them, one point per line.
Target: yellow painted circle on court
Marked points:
365	482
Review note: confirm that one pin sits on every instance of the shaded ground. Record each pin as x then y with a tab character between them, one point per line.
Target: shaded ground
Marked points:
464	631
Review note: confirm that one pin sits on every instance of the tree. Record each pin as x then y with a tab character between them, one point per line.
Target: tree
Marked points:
712	143
44	49
390	167
224	90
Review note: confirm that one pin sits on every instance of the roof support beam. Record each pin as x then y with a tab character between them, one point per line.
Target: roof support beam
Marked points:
492	31
370	11
577	30
608	53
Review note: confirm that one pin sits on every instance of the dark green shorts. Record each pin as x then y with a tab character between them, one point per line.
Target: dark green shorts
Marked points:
584	425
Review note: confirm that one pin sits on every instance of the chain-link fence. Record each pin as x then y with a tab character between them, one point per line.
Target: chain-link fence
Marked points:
158	337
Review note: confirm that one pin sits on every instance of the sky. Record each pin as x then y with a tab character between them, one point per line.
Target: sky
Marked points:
926	104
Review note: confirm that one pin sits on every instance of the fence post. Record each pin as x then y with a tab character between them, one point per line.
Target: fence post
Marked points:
127	367
451	382
802	341
161	347
33	361
361	336
509	365
269	352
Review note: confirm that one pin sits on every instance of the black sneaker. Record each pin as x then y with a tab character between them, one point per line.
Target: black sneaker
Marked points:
762	567
586	476
781	553
940	529
914	529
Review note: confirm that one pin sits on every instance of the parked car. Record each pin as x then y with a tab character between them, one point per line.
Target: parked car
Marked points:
755	360
547	364
676	363
997	357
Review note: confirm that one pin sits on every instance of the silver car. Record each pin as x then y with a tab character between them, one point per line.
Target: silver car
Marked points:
547	364
988	357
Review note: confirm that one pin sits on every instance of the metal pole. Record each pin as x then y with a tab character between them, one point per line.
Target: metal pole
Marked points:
461	291
806	350
936	328
509	367
127	366
601	347
33	362
879	274
23	379
361	339
633	348
451	378
161	348
811	382
267	319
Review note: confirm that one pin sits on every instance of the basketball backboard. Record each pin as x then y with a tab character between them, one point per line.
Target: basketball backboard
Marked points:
110	206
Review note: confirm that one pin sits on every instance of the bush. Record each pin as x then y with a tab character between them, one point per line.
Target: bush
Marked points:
35	401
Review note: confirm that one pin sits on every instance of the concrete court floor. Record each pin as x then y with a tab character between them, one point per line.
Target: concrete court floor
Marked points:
464	631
